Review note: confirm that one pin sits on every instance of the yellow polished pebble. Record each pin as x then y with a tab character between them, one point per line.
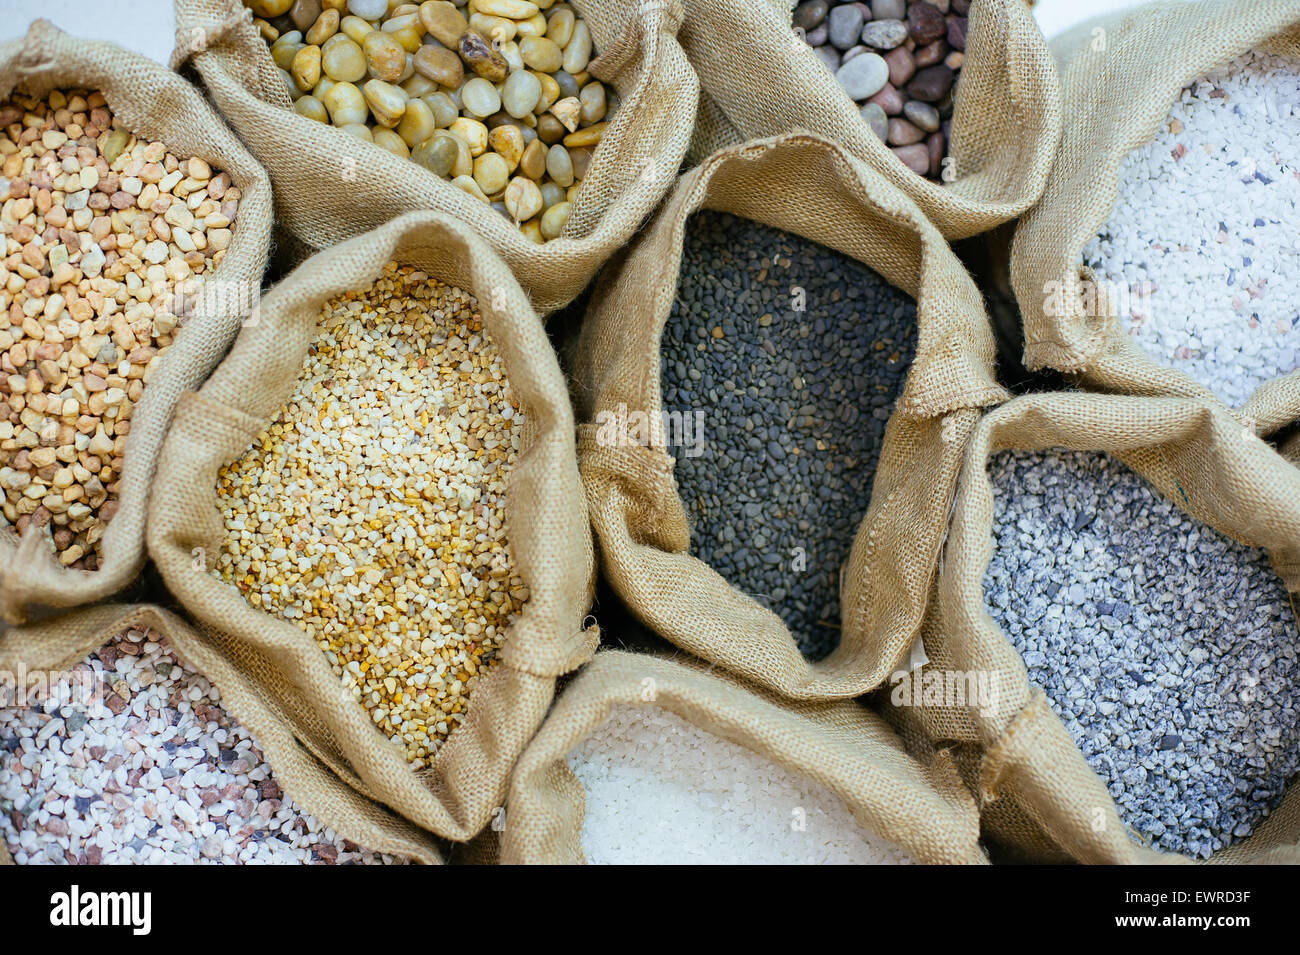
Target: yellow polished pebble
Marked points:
509	78
371	513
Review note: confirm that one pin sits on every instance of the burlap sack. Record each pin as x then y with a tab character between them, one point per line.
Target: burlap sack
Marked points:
1121	76
72	637
759	78
639	519
922	809
329	186
546	523
1038	796
152	101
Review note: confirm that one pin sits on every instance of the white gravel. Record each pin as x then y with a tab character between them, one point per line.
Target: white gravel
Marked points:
1205	236
661	791
156	773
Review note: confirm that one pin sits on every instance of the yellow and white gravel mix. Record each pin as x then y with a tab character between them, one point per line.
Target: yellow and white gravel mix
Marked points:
371	513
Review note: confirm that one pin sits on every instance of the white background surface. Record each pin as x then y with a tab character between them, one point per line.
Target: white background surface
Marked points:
1056	16
148	26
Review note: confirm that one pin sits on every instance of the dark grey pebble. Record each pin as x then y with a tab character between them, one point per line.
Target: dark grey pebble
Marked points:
792	437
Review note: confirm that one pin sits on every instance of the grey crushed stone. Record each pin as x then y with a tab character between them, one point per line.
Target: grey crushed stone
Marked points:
1168	650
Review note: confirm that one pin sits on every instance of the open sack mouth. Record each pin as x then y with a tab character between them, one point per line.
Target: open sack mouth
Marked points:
117	239
499	102
900	62
794	356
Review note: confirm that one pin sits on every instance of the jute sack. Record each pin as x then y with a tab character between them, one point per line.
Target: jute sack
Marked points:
760	78
639	519
546	524
923	809
71	638
1038	796
330	187
151	101
1121	76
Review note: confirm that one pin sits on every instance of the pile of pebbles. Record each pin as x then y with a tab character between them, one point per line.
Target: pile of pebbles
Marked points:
371	512
1202	245
899	60
661	791
796	354
106	241
1169	651
152	772
500	101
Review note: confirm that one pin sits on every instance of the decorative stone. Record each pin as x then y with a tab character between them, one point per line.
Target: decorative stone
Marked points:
480	98
560	166
889	99
809	14
385	56
901	66
931	84
482	59
442	21
931	53
342	60
852	52
491	173
523	199
440	65
926	23
915	158
937	144
541	53
864	76
844	25
438	153
903	133
508	143
521	93
828	55
387	102
885	34
875	118
922	115
957	32
368	9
